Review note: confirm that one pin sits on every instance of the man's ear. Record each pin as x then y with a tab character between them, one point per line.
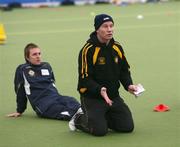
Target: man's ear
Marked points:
27	59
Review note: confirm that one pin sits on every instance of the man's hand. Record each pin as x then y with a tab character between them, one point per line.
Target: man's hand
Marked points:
136	89
105	96
15	114
132	88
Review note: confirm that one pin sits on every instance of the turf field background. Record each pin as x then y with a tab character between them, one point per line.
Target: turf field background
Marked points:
152	47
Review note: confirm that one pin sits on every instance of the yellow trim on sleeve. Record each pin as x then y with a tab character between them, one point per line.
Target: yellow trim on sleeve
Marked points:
82	90
84	60
83	65
118	51
86	66
97	49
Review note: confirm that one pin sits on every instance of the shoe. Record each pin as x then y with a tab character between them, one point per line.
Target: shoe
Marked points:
72	126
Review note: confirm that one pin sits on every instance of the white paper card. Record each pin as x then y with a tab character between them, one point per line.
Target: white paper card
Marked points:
140	90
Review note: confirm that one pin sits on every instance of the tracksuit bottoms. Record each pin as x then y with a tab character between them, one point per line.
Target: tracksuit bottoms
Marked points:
98	116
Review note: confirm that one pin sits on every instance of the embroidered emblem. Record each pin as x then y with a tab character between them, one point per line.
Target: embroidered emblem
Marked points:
31	73
101	60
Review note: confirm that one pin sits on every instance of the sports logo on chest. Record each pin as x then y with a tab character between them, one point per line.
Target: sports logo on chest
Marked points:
101	60
31	73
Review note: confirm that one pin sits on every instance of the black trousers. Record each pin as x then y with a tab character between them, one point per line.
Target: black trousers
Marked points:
98	116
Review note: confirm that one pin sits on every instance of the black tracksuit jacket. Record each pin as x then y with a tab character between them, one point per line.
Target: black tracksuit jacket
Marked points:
102	65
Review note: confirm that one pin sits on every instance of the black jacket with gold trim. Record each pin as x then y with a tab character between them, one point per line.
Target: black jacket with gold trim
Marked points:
101	65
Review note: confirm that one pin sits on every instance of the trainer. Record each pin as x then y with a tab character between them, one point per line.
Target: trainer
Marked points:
102	67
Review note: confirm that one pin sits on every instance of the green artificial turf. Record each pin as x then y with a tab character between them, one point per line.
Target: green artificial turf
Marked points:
152	47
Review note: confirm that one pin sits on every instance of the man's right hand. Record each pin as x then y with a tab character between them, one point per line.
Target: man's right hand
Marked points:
105	96
15	114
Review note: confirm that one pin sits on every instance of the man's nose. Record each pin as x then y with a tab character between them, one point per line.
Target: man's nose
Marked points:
109	28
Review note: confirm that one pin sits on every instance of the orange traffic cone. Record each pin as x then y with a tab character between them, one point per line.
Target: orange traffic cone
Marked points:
161	108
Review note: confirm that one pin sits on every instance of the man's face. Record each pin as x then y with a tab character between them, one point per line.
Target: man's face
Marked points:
34	56
105	32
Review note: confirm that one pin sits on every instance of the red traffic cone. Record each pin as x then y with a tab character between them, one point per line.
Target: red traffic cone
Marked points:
161	108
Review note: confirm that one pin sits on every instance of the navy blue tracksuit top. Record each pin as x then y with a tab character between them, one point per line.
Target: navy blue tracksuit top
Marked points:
36	83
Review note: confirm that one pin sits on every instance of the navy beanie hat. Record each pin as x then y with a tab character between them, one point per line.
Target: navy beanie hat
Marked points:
100	19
